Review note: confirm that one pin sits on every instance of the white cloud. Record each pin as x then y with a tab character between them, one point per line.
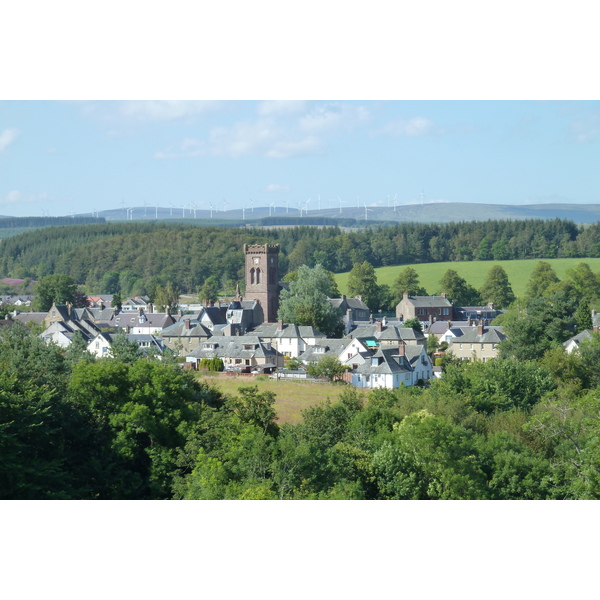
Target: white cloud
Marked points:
263	138
7	137
166	110
334	116
284	130
277	189
16	197
414	127
271	108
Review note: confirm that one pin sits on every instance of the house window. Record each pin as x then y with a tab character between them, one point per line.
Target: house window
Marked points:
407	376
482	347
445	311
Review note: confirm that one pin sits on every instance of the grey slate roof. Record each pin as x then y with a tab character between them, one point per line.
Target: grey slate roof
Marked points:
430	301
389	363
290	330
491	335
388	333
234	346
586	334
179	330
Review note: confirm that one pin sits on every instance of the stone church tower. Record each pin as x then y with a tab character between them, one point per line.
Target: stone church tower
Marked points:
262	278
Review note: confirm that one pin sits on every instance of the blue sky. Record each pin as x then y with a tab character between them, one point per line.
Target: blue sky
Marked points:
58	157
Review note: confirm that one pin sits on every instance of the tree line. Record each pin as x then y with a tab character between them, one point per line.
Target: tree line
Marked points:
134	258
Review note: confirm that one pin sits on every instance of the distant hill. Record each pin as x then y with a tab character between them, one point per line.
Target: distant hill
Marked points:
440	212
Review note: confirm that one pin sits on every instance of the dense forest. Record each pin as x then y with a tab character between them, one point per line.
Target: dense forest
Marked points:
133	258
72	427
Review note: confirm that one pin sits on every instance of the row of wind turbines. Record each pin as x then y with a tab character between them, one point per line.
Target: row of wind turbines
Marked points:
302	207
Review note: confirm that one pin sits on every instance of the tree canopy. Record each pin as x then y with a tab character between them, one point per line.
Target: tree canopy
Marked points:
306	302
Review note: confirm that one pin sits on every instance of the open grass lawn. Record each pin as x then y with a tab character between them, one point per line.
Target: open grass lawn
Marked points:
475	272
292	396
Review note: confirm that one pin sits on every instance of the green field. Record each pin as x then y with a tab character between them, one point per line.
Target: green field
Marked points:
474	272
292	397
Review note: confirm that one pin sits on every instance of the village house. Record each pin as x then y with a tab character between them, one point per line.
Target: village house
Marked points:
244	354
137	322
100	345
353	308
392	367
477	343
289	339
185	335
439	308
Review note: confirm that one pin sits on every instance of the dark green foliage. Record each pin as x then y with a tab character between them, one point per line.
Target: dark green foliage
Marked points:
124	350
362	281
306	303
328	366
55	289
497	289
407	281
583	315
543	324
414	323
212	364
498	385
458	290
147	254
541	278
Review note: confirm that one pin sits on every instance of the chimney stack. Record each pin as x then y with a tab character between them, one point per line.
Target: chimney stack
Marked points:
280	325
378	328
187	324
402	348
444	295
480	327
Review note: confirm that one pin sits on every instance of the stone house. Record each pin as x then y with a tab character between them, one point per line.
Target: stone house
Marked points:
438	308
477	343
244	354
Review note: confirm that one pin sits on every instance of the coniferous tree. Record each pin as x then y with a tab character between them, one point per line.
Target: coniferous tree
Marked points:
497	288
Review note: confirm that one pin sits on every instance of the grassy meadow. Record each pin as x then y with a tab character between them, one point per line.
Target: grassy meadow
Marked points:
475	272
292	397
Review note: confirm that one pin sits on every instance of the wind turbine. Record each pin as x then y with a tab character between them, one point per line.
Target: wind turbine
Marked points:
340	204
300	207
251	204
244	212
272	205
367	212
212	207
225	204
171	205
145	209
194	208
395	202
421	195
183	211
306	206
287	206
319	201
130	213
